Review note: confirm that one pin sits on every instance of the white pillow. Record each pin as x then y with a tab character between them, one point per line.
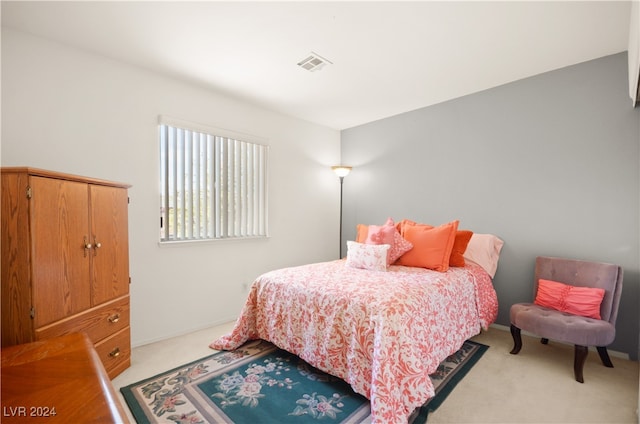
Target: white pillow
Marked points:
367	256
484	249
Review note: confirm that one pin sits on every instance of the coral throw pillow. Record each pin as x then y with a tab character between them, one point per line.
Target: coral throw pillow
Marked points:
361	233
432	246
367	256
406	223
583	301
459	247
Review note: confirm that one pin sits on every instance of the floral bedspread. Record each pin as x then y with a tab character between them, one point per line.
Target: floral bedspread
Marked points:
382	332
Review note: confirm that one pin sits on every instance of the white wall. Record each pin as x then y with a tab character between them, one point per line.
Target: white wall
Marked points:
75	112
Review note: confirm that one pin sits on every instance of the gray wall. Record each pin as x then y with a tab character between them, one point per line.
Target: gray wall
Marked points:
550	164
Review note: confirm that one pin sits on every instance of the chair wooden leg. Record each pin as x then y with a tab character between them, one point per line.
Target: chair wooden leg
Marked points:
604	356
517	340
544	341
578	362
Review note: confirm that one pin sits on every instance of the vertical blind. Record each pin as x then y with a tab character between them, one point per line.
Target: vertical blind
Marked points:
213	187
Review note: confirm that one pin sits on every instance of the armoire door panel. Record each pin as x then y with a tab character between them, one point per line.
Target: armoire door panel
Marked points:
59	226
15	300
110	256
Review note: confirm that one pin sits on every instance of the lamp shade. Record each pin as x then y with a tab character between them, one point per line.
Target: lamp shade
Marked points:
341	171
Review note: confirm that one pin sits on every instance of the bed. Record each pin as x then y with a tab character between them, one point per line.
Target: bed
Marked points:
381	332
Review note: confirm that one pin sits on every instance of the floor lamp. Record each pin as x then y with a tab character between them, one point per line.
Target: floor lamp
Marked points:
341	172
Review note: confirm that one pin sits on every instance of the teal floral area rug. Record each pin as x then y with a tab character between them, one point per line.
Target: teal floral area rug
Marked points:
259	383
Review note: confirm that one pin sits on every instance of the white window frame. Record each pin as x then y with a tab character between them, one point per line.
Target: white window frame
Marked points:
213	183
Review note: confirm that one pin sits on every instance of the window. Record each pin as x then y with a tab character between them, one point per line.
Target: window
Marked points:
213	185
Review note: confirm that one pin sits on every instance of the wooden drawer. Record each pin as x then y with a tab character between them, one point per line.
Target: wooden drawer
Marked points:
115	352
98	323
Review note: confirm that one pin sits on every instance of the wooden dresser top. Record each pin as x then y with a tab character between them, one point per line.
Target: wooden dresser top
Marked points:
57	380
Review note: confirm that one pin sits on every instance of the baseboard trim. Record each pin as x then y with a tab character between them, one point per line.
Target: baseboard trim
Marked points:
613	353
139	343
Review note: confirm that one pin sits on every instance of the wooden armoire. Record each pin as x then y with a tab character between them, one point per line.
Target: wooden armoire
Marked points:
65	261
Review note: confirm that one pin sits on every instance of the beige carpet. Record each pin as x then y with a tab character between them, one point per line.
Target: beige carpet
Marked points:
535	386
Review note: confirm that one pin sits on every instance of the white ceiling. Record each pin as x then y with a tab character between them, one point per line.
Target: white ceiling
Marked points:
388	57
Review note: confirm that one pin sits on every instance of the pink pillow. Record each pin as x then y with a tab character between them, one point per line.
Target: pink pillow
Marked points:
367	256
484	249
384	234
583	301
380	234
399	247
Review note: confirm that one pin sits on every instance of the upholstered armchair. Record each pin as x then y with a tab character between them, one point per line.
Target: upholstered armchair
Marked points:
567	307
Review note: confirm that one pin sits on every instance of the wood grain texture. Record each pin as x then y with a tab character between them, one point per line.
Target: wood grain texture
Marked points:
115	352
65	260
109	230
59	224
98	322
16	259
60	176
60	380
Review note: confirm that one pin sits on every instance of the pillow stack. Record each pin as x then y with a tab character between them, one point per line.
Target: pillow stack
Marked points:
414	244
384	234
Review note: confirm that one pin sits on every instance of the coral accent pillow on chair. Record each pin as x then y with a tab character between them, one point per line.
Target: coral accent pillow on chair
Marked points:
583	301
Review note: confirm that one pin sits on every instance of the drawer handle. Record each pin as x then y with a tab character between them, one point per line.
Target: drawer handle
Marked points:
115	352
114	318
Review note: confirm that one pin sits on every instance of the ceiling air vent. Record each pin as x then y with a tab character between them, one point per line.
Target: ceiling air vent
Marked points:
314	62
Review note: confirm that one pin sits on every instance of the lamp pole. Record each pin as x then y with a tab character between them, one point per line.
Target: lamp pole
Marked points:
341	181
341	171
